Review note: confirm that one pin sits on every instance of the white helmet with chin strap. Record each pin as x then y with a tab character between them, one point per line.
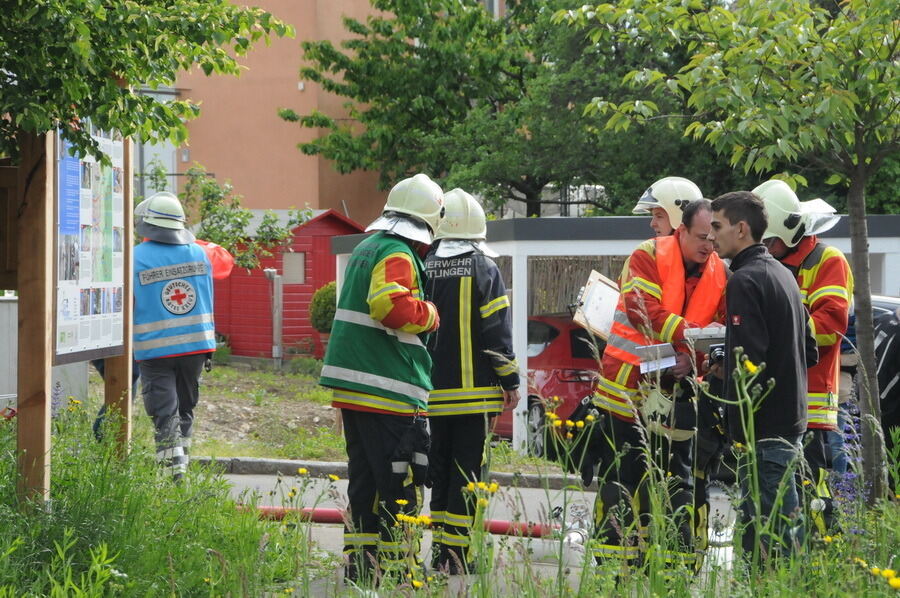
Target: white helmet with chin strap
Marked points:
791	219
672	193
413	210
464	226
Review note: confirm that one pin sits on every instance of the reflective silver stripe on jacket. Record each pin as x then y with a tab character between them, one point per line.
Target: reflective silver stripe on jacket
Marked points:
355	317
348	375
171	341
173	323
172	272
620	342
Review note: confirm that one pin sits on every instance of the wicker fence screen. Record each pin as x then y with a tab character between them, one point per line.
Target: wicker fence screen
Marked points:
554	281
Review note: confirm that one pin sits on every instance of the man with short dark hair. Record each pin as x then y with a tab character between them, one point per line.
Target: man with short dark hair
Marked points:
766	320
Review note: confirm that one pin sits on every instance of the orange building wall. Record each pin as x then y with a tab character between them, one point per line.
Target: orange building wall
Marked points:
239	136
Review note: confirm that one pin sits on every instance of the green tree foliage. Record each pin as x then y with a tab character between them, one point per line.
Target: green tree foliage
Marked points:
778	80
223	220
495	106
64	60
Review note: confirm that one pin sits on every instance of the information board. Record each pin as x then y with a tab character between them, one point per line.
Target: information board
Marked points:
90	254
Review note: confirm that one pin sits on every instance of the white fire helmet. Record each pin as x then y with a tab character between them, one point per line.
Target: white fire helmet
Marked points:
791	219
464	226
162	209
463	219
413	210
672	193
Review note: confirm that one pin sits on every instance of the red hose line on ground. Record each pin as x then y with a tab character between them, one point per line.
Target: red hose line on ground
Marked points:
327	515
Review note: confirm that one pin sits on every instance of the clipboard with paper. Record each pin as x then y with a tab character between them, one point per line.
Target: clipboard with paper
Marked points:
597	305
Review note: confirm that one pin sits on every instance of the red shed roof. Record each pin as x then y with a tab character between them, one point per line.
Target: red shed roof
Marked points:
283	217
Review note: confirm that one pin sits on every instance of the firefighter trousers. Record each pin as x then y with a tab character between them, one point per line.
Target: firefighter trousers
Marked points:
622	510
171	389
372	544
456	458
813	482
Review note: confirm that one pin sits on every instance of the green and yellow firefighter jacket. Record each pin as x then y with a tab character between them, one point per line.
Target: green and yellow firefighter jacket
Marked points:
376	358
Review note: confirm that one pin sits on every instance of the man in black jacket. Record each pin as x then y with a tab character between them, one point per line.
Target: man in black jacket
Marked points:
766	320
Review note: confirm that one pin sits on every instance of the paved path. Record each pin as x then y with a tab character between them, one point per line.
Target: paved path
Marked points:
510	503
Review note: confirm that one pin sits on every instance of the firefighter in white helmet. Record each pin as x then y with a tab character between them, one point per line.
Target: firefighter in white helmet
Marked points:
380	372
475	374
174	331
665	201
826	285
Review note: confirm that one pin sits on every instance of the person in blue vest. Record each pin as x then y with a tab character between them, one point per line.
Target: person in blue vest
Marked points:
380	371
174	333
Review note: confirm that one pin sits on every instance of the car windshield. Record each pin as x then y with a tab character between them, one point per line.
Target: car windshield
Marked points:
540	334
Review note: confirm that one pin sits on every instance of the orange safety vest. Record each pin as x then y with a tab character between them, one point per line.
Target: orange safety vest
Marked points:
701	309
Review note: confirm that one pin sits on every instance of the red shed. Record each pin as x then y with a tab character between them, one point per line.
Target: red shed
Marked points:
243	300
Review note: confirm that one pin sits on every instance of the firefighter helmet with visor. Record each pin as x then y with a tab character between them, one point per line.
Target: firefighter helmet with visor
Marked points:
791	219
672	194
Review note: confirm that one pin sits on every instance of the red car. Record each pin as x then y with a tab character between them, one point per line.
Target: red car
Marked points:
562	364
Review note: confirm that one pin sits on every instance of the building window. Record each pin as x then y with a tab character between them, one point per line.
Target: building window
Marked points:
294	268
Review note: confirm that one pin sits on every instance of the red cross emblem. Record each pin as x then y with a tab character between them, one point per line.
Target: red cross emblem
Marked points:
179	296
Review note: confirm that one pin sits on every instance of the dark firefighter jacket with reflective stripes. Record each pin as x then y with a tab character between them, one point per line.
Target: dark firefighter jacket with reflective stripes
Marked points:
472	352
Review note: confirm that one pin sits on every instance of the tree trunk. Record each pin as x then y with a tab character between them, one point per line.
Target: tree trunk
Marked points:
533	205
873	449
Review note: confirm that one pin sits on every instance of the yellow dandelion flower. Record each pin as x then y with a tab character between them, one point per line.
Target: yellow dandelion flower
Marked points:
482	486
897	496
333	477
552	416
860	562
417	584
430	578
579	424
424	520
739	446
302	471
888	573
292	494
806	482
402	502
557	423
828	539
894	582
470	486
750	366
206	580
570	423
589	417
493	487
569	436
875	571
482	502
289	590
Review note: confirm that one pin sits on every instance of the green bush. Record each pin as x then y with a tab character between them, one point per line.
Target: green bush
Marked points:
322	306
305	366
